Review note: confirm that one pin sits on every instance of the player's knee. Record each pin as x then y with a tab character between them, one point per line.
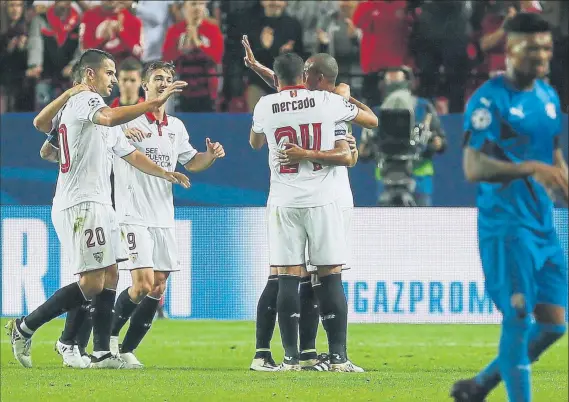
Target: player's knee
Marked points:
141	289
325	270
159	286
111	277
92	283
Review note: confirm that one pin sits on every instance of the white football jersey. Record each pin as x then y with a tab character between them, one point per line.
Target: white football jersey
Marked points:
345	197
84	169
308	119
141	199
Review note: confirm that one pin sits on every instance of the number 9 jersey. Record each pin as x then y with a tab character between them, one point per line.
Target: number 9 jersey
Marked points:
307	119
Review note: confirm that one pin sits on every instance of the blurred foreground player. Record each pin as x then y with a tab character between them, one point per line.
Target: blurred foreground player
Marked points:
298	126
512	125
82	214
145	211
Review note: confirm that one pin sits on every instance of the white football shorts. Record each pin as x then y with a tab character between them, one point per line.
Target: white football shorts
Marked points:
290	230
90	235
151	247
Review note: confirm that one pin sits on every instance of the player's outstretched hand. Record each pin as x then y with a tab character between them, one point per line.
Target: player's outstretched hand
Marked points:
343	90
249	58
177	178
351	142
215	149
291	154
74	90
553	178
176	87
134	134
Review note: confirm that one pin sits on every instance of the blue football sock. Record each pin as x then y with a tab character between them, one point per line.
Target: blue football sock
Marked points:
541	337
513	358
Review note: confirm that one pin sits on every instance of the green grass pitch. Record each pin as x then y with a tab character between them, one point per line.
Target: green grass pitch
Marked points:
209	361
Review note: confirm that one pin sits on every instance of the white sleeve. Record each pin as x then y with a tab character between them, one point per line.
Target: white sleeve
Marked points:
340	131
55	122
341	108
185	150
86	104
122	147
258	119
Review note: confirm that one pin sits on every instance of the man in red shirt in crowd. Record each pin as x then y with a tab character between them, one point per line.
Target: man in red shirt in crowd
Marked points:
385	33
130	79
111	27
195	46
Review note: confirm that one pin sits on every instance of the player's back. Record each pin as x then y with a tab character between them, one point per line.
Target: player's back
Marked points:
308	119
84	157
514	126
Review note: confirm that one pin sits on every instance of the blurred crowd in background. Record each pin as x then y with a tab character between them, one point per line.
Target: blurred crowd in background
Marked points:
452	46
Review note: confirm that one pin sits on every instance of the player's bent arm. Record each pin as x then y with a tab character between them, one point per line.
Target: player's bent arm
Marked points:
265	73
480	167
365	117
43	121
200	162
256	140
341	155
145	164
49	153
559	161
121	115
355	157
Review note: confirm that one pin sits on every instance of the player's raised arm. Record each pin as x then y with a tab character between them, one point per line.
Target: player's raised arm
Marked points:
121	115
203	160
265	73
44	120
366	117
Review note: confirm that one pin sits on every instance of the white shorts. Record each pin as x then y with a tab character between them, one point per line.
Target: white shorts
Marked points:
347	213
90	235
291	229
151	247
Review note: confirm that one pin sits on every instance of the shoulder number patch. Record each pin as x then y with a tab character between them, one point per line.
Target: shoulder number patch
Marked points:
481	119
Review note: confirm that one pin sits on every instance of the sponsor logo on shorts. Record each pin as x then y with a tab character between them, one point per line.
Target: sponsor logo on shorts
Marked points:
98	256
133	257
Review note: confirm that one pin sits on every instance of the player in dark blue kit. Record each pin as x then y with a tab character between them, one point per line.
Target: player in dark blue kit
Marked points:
512	127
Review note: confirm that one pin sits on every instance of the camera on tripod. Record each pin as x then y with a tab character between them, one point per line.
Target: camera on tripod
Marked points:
400	143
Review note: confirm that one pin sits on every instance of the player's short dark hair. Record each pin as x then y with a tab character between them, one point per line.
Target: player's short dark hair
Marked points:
76	73
326	65
288	68
158	65
130	64
526	23
92	58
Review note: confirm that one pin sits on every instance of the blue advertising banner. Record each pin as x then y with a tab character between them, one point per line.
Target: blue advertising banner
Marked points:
408	265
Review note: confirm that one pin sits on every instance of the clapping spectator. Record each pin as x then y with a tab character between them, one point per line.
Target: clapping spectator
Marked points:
53	44
338	36
308	14
113	28
385	34
156	16
13	57
271	32
196	47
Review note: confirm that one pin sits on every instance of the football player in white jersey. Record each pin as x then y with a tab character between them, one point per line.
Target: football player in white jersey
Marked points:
299	128
145	211
82	213
321	73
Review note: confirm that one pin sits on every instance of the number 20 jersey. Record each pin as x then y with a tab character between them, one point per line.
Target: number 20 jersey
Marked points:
307	119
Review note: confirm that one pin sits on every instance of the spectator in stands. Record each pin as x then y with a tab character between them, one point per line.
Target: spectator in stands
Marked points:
156	16
338	36
557	13
52	47
271	32
493	40
80	6
308	14
440	39
196	47
129	81
385	33
113	28
13	57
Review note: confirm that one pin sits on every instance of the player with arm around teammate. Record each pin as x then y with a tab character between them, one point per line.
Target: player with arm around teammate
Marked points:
302	206
145	211
512	126
82	213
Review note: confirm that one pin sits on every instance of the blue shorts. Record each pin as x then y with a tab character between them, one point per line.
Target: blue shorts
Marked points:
522	269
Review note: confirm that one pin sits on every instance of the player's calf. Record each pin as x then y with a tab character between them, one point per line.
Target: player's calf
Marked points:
308	323
265	323
288	311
